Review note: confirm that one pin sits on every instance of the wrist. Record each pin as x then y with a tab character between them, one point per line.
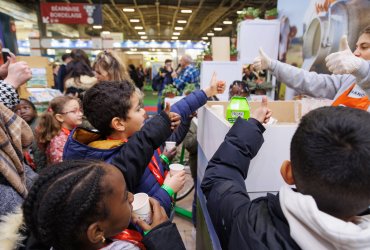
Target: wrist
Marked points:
165	159
208	92
146	232
10	82
168	189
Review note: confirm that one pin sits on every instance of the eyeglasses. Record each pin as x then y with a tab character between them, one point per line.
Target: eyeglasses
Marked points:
76	111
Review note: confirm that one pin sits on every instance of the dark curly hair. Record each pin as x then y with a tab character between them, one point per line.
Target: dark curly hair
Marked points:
64	201
330	154
107	100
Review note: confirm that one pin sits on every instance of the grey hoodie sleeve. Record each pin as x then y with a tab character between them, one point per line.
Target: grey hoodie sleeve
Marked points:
305	82
363	76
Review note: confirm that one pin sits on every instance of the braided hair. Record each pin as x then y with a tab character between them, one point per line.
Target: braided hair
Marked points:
64	201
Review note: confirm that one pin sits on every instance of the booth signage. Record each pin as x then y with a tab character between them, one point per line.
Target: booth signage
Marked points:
70	13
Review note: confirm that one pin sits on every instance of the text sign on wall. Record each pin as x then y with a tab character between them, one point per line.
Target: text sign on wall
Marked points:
71	13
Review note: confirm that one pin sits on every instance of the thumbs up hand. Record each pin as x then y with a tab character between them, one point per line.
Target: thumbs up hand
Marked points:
262	61
343	61
263	113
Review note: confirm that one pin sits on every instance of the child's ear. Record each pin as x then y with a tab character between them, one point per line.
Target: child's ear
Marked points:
59	118
95	234
286	172
118	124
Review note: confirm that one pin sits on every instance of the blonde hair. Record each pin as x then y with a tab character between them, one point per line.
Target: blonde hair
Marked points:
49	126
111	63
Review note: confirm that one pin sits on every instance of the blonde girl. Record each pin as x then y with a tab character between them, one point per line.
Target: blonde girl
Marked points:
109	67
63	114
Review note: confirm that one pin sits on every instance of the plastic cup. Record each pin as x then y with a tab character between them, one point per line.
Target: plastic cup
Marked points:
141	207
218	110
175	168
170	145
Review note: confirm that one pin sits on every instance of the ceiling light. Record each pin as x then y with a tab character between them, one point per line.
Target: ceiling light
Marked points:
227	22
181	21
141	33
105	32
134	20
204	37
128	10
174	37
176	33
97	27
144	37
239	12
179	28
186	11
217	29
210	34
139	27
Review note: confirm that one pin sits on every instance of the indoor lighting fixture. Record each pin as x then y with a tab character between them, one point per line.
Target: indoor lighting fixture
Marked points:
128	10
141	33
179	28
105	32
97	27
181	21
174	37
139	27
217	29
176	33
144	37
186	11
239	12
227	22
205	38
134	20
210	34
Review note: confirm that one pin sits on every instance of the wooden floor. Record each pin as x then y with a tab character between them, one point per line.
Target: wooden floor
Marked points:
185	226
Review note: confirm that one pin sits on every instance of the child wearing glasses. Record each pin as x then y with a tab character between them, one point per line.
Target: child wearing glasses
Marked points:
63	114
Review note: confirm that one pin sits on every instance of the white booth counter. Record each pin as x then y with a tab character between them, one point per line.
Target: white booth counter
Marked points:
264	171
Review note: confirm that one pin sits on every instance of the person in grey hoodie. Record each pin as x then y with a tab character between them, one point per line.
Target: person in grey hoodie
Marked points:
350	81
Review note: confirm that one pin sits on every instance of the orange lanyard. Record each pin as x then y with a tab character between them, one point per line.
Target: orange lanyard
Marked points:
66	131
131	236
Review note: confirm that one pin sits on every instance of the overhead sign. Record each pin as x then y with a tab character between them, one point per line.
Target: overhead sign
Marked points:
70	13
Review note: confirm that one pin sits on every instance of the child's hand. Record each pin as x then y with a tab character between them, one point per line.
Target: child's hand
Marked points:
158	214
176	182
174	117
263	113
215	87
170	154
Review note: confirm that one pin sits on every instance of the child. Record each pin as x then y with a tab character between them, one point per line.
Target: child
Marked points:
63	114
33	156
83	205
114	109
330	166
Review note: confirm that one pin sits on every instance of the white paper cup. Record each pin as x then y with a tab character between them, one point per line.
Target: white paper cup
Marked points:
175	168
170	145
141	207
218	110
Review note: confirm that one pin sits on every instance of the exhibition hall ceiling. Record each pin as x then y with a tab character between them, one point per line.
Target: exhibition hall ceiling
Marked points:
165	19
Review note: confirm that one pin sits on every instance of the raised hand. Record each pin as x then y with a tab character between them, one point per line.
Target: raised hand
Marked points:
262	61
343	61
215	87
18	74
262	113
5	66
176	181
174	117
158	216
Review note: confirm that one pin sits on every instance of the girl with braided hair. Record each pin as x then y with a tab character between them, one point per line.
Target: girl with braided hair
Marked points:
83	205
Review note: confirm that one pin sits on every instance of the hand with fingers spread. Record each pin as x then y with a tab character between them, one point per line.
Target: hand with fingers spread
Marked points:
215	87
174	117
18	74
343	61
262	61
262	113
176	181
158	216
5	66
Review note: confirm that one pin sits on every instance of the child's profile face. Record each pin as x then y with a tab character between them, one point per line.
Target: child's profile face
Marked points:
101	74
135	116
72	114
25	111
117	200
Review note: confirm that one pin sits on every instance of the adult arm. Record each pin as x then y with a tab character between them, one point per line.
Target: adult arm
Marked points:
8	95
363	76
135	155
223	183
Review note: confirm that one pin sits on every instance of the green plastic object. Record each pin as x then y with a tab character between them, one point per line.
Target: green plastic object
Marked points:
238	106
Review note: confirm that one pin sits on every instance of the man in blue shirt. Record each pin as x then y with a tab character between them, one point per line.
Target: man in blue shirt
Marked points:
188	74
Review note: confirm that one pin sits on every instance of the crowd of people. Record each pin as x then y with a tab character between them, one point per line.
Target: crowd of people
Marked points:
67	177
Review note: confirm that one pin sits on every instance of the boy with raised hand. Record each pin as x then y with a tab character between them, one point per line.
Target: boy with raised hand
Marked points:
330	166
